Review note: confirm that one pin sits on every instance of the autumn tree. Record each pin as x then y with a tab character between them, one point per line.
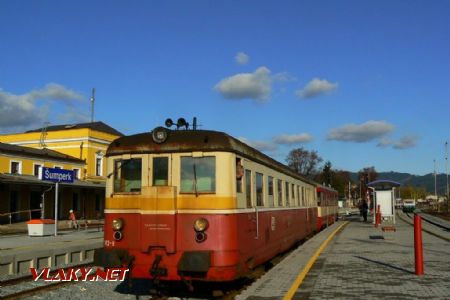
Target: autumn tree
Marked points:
304	162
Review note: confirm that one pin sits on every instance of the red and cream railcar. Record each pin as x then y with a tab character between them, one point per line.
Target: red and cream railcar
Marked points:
199	205
327	206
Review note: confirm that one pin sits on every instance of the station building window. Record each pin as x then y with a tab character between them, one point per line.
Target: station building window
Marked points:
37	169
99	164
127	175
76	173
16	167
198	174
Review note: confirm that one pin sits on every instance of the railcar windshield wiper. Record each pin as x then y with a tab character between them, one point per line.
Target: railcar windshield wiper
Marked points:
195	181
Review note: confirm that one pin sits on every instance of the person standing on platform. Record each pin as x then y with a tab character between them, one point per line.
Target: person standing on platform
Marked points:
364	209
73	220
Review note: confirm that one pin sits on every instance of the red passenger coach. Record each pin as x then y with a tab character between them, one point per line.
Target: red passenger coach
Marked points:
199	205
327	206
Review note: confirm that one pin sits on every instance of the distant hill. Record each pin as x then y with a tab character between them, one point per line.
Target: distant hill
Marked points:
426	181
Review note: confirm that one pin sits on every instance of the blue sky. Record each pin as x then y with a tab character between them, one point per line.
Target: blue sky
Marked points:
364	83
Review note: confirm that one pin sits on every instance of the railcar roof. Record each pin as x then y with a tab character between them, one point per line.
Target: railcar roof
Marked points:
195	140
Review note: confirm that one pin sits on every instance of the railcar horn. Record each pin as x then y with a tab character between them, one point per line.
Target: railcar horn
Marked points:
169	122
182	122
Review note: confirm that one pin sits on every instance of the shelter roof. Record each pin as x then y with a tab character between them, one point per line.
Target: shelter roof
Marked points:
383	184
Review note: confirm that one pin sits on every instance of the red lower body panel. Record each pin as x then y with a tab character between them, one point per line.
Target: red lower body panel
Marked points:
164	246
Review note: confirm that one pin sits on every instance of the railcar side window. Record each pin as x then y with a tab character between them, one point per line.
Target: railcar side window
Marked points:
280	193
270	184
293	194
198	174
239	175
160	171
127	175
248	187
259	189
287	193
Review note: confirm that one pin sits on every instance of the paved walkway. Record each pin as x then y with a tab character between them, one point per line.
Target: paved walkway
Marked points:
363	262
359	264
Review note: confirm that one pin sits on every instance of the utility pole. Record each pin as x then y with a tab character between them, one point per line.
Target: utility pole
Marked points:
435	186
92	105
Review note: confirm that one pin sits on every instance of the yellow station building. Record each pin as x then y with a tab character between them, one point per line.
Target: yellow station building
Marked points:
77	147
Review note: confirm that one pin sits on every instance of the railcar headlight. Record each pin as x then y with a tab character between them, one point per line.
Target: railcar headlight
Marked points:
201	225
159	135
117	224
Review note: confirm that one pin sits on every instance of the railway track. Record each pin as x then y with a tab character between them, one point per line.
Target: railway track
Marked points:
24	287
437	229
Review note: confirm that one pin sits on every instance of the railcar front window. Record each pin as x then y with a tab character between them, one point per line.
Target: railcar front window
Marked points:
198	174
160	171
127	175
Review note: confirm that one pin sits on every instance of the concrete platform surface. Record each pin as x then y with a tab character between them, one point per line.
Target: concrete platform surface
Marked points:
20	252
361	262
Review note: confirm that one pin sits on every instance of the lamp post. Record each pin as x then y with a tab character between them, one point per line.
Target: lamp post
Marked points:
446	172
435	186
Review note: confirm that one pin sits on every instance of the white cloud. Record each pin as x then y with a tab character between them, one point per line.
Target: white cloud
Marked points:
260	145
242	58
360	133
33	108
408	141
293	139
284	77
405	142
316	87
256	86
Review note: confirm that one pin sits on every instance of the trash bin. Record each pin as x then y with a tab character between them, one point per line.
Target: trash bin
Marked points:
41	227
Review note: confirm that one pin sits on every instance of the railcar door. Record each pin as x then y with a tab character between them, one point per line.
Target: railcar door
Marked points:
159	217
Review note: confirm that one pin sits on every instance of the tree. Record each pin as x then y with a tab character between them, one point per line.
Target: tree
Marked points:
327	174
341	179
366	175
303	161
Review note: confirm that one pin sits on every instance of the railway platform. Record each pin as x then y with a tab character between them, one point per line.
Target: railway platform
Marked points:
19	252
353	260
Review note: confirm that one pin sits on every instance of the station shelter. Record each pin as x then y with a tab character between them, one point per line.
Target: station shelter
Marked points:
383	195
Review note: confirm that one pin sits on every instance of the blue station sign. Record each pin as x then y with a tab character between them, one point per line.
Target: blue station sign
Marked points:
57	175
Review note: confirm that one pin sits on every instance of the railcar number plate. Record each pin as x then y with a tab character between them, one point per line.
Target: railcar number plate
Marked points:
109	243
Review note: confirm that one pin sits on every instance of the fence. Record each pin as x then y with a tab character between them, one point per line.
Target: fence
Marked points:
20	215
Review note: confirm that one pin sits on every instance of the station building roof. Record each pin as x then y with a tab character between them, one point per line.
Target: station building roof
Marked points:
38	153
99	126
33	180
